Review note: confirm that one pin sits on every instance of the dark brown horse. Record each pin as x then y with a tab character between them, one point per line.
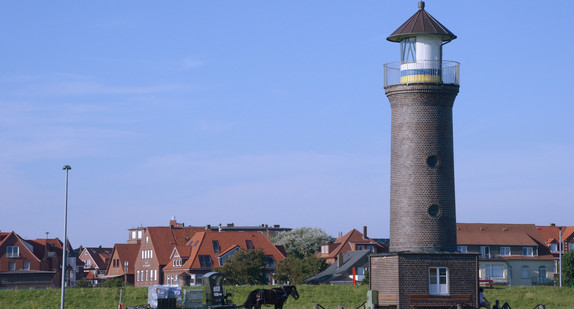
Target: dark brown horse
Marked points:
276	296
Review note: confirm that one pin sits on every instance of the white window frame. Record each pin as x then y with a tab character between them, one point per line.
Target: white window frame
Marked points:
483	251
12	266
462	249
505	251
408	50
26	265
494	271
439	283
542	273
527	251
12	252
525	272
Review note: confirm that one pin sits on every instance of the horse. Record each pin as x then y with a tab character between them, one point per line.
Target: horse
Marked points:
276	296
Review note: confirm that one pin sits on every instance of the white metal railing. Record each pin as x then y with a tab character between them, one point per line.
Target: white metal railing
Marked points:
428	71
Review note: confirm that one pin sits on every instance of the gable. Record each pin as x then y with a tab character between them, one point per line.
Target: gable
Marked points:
24	248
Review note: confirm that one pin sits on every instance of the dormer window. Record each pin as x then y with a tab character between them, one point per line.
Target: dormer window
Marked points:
554	247
527	251
249	245
325	249
216	248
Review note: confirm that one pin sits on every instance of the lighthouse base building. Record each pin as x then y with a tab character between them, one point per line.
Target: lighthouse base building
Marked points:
423	268
424	280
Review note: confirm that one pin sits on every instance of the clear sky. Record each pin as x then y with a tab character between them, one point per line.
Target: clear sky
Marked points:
268	112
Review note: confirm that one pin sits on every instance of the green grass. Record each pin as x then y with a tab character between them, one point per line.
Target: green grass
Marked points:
523	297
328	296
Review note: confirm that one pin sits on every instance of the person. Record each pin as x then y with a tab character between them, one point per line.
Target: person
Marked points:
496	305
483	302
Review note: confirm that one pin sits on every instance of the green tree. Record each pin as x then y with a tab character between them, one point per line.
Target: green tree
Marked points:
302	242
568	269
294	270
245	267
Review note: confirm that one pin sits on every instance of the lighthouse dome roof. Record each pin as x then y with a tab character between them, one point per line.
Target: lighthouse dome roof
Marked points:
419	24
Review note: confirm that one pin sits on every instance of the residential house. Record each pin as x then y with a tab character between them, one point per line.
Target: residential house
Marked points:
510	254
552	235
32	263
352	263
208	250
352	241
155	250
96	260
123	256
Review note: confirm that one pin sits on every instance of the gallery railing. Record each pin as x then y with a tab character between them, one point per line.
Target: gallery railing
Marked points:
428	71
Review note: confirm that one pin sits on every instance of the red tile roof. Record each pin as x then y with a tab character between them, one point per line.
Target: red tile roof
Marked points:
202	244
127	252
164	238
498	234
101	256
348	242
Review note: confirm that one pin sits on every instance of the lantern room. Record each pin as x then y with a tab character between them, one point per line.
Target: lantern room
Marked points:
421	39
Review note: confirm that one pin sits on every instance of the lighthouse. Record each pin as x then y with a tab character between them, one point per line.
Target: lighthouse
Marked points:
423	267
422	88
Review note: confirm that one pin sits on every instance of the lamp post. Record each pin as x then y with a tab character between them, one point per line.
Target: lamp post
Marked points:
560	253
64	253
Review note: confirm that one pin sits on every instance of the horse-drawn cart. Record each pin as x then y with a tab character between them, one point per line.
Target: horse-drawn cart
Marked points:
214	296
167	297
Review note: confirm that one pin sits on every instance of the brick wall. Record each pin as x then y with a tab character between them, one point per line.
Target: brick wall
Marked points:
423	216
401	277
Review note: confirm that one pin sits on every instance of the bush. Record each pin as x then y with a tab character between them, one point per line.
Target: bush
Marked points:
112	283
83	283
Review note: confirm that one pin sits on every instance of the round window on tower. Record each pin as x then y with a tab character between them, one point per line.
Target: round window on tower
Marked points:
434	210
432	161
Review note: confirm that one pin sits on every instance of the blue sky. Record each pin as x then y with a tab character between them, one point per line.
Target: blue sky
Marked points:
268	112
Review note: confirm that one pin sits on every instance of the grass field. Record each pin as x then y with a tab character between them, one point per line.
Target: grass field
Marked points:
328	296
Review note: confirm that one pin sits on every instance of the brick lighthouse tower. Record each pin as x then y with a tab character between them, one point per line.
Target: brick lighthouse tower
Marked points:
423	268
422	89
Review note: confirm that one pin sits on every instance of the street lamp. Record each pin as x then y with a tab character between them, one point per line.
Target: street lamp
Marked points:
64	253
560	253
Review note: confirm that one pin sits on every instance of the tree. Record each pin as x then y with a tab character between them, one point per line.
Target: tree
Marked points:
301	242
568	269
294	270
245	267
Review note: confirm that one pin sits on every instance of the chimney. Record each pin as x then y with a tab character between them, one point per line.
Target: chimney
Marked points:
339	260
208	227
552	224
172	222
365	232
